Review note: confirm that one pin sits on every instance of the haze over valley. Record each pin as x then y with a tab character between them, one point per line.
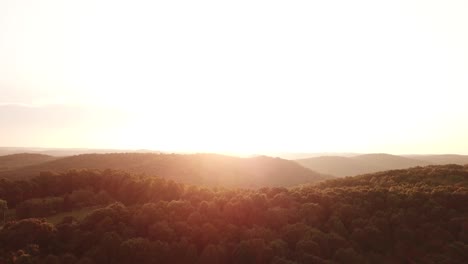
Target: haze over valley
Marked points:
23	165
233	132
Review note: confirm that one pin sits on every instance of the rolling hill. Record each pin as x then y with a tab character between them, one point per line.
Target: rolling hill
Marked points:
14	161
415	215
206	169
433	176
360	164
442	159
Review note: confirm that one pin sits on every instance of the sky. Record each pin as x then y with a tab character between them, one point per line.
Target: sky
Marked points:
235	76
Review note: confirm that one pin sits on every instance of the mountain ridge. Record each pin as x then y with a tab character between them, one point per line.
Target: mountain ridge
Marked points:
205	169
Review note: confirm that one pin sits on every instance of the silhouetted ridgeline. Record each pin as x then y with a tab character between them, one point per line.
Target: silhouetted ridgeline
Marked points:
405	216
205	169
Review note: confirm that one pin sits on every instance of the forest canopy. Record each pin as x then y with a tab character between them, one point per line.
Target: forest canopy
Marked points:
405	216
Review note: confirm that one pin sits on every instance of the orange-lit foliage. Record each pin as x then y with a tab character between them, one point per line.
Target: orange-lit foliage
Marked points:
406	216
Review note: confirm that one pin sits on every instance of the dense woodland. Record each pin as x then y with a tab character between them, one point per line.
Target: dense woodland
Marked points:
418	215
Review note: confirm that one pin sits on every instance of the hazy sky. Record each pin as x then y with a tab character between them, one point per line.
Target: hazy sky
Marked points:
237	76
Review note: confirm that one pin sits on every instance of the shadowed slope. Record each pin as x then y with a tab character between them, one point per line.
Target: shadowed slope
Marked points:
368	163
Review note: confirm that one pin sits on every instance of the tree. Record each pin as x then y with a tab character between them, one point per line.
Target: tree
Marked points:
18	234
243	253
212	254
110	244
135	250
3	209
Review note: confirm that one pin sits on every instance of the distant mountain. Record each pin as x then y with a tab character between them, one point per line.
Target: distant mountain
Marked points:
14	161
360	164
384	161
298	155
207	169
442	159
62	152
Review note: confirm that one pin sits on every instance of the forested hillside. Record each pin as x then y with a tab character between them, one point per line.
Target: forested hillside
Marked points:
15	161
404	216
445	175
204	169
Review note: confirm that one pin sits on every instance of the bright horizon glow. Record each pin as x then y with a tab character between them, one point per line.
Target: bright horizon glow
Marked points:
236	77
